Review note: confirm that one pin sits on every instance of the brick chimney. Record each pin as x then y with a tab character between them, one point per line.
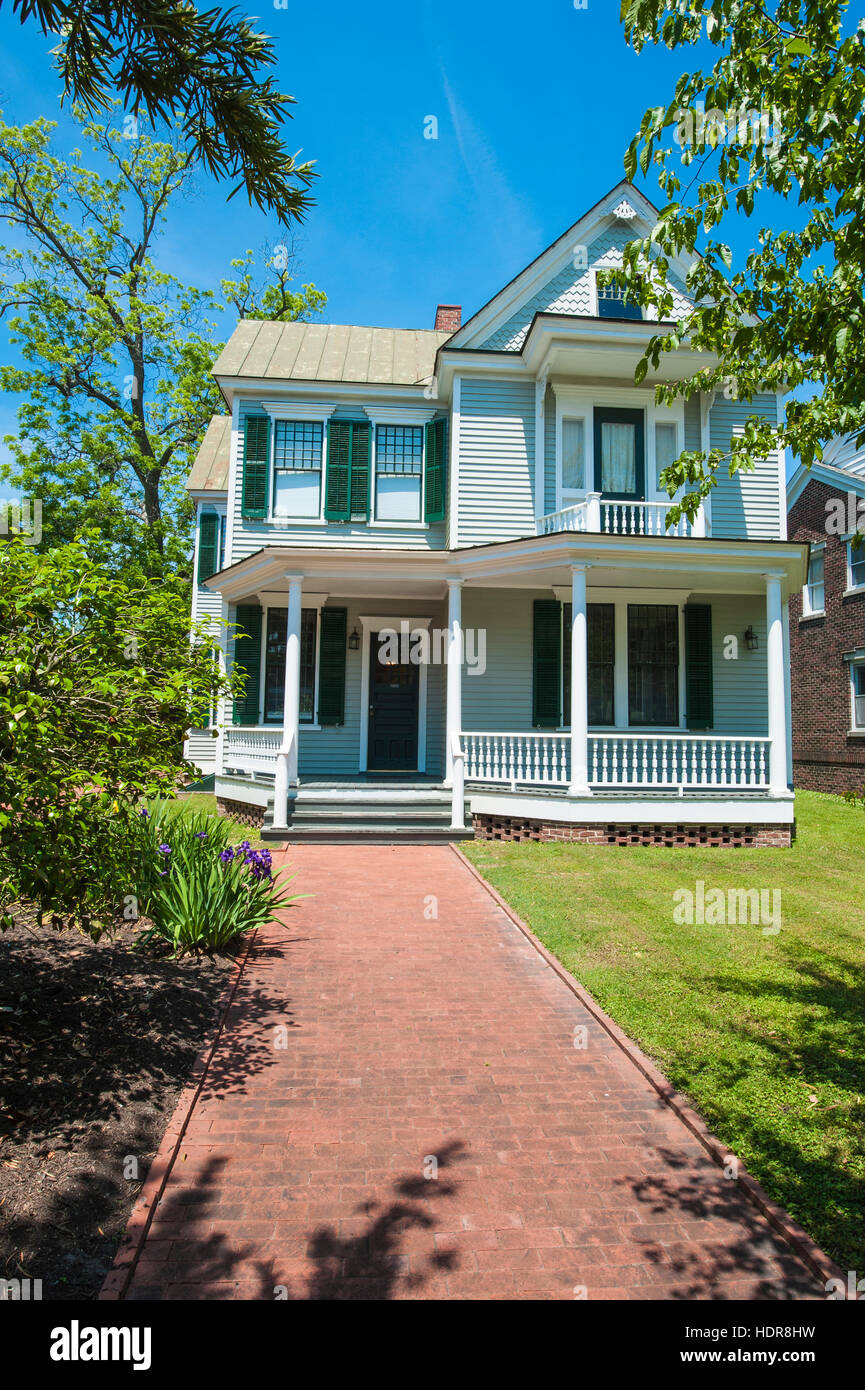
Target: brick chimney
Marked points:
449	317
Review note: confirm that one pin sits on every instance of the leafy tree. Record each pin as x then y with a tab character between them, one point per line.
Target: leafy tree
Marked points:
783	112
167	60
116	352
98	684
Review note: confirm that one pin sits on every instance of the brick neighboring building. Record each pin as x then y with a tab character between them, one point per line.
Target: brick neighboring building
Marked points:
827	624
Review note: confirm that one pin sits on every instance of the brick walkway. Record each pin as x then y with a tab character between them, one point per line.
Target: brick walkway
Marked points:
372	1036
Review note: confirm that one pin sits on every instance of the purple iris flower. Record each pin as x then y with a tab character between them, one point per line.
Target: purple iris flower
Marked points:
165	849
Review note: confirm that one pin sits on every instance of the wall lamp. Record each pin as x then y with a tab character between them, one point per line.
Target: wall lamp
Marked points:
751	639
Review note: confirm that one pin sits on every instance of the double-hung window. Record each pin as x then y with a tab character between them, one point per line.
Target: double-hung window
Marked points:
274	664
814	593
601	647
612	304
857	676
573	454
856	564
666	449
653	664
398	472
297	455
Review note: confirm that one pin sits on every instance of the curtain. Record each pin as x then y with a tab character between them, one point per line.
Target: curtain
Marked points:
618	458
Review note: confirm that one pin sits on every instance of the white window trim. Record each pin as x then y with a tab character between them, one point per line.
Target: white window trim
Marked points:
268	601
573	402
854	660
370	623
670	598
415	417
851	587
303	411
807	610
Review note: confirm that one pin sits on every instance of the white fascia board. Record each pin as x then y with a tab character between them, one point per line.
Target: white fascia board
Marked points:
824	473
266	389
629	807
218	496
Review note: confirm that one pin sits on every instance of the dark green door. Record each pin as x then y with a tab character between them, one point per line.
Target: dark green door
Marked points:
393	711
620	454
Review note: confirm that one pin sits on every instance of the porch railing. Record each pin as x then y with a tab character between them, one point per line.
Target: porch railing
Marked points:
619	760
537	759
711	761
619	519
251	750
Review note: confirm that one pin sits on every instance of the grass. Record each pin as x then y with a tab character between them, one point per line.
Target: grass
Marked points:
765	1034
206	801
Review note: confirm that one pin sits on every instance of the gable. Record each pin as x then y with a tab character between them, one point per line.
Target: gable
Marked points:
561	280
572	291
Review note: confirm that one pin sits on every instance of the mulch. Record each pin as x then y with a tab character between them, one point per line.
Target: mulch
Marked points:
96	1043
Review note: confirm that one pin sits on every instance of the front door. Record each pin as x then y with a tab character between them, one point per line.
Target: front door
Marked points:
393	711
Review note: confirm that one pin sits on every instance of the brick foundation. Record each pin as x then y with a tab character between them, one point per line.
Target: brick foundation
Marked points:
253	816
512	828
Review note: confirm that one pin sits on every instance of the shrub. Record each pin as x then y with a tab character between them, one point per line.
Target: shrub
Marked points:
199	891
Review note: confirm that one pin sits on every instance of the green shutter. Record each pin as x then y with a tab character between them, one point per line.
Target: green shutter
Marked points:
698	666
336	497
208	545
256	448
547	664
331	676
361	441
436	468
247	653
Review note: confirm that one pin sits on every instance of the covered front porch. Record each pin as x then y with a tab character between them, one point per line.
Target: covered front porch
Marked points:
566	682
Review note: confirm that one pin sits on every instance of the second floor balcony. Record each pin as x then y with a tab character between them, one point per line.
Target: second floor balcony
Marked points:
597	516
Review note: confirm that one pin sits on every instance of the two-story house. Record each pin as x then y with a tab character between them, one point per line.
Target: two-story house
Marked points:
458	602
827	640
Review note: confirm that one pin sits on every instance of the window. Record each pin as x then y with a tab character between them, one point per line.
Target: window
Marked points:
297	448
274	664
666	449
814	593
653	664
613	305
856	555
573	455
619	453
857	672
223	520
601	645
398	472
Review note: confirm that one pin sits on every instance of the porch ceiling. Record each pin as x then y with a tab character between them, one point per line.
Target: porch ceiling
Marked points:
533	562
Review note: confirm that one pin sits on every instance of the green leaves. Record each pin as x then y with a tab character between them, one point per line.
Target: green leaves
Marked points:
782	115
209	69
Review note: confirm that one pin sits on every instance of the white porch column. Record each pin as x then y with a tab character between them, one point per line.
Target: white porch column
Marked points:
776	687
286	758
454	675
593	513
579	784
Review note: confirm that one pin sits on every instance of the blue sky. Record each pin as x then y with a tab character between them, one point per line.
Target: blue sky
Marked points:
535	107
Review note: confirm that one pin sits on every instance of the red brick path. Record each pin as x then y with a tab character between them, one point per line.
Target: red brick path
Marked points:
406	1036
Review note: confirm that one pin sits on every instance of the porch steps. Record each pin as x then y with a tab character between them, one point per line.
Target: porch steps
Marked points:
372	813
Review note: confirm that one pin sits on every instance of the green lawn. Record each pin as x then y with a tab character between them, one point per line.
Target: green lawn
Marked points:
206	801
764	1033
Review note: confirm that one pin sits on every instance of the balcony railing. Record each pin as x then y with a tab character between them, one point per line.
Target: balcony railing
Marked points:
596	517
619	761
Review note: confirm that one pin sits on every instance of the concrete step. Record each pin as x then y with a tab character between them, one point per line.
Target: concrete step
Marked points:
339	834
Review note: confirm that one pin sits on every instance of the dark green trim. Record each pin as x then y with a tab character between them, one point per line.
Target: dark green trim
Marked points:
208	545
247	654
256	455
331	676
547	664
435	477
699	688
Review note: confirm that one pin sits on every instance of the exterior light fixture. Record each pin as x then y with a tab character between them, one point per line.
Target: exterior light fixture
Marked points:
354	640
751	639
